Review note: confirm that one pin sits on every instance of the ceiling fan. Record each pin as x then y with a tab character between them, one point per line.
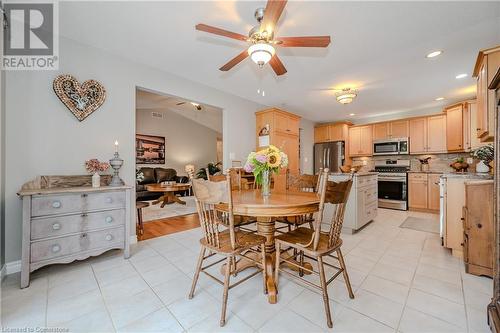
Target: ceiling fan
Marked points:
196	105
262	40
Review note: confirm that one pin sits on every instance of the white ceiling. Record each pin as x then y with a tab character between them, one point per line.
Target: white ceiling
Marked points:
208	116
378	47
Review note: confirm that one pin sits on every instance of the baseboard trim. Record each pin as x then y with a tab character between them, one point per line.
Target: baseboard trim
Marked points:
12	267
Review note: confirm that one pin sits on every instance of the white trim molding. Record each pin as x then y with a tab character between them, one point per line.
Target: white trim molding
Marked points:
12	267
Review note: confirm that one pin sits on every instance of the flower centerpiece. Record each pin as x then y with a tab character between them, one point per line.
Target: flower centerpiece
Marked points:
485	155
263	163
94	166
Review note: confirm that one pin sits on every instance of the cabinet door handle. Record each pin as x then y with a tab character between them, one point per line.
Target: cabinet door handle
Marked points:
56	204
84	195
109	219
56	248
479	225
56	226
109	237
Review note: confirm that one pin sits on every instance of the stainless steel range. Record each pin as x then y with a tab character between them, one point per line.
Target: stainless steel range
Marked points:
392	183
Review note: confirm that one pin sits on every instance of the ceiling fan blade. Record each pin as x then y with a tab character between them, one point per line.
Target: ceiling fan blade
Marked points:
233	62
272	14
310	41
221	32
277	65
181	103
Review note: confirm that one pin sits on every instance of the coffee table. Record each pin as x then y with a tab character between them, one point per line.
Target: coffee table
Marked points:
168	196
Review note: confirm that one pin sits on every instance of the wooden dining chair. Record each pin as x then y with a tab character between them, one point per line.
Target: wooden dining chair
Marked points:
229	243
299	183
315	244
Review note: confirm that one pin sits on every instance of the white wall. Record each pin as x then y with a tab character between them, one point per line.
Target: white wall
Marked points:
44	138
306	146
187	142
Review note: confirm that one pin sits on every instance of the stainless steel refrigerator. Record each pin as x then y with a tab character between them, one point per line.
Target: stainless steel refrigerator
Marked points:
329	155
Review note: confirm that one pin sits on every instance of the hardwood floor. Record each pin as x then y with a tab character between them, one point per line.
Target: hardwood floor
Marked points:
169	226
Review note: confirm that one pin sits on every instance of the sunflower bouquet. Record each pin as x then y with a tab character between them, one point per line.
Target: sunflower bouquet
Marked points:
264	162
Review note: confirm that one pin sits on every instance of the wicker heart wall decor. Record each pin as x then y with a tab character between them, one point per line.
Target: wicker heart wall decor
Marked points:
82	99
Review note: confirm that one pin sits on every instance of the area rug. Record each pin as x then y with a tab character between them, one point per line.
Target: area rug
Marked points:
155	212
420	224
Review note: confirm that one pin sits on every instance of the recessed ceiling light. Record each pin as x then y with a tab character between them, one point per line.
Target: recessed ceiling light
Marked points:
352	114
433	54
461	76
439	98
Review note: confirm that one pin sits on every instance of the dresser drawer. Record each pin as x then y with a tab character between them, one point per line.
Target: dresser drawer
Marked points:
371	194
371	211
74	203
68	224
417	176
74	244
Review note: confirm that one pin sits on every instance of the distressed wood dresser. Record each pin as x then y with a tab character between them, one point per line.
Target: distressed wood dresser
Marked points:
65	219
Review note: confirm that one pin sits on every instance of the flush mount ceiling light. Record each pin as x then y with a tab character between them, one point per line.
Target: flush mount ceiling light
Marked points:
352	114
461	76
439	98
433	54
261	53
346	95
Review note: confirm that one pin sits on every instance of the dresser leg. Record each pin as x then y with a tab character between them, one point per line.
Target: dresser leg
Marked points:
25	277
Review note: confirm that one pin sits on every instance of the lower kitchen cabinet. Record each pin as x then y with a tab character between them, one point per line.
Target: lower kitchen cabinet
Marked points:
478	228
362	205
423	191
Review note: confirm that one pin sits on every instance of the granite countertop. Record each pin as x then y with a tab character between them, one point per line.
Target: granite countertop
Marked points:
437	172
469	175
359	174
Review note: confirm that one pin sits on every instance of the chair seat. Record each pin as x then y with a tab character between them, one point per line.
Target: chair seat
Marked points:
303	236
245	240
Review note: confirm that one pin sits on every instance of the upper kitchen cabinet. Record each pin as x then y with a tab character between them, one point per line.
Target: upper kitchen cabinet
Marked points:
391	129
428	135
487	63
331	132
361	140
455	127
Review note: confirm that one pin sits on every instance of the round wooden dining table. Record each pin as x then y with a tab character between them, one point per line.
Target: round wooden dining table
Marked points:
266	209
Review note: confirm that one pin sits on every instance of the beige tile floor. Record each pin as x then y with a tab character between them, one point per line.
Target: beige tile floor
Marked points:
404	281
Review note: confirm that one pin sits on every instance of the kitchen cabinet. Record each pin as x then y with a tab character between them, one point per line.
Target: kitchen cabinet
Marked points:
487	63
436	134
360	141
283	132
362	204
418	136
391	129
423	191
428	135
331	132
478	228
417	190
455	128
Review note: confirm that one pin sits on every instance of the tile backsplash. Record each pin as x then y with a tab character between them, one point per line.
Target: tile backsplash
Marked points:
438	162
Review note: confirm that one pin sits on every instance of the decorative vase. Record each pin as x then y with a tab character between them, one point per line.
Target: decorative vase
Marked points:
481	167
266	183
96	180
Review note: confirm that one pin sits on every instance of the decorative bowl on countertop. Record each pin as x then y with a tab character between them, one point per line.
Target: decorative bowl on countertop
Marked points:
350	168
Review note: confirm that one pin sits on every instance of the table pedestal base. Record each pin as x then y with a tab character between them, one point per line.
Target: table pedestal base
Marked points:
167	199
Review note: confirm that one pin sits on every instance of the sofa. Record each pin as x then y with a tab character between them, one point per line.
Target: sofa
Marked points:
153	176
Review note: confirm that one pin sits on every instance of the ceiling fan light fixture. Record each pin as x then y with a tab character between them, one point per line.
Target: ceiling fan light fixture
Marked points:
261	53
346	95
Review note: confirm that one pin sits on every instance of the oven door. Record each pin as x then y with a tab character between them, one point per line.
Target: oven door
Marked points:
386	148
391	188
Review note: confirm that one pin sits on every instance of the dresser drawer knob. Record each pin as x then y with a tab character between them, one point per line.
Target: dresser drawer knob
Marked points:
109	219
56	204
56	226
56	248
109	237
109	200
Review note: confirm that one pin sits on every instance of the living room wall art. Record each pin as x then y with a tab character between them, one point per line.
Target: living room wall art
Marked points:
149	149
81	99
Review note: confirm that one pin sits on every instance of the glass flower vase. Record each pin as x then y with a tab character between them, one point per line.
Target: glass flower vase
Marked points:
266	183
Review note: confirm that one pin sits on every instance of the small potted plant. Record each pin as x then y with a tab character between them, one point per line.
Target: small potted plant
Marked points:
94	166
485	155
424	164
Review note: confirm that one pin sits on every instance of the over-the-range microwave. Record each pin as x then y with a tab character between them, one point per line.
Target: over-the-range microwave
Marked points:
394	146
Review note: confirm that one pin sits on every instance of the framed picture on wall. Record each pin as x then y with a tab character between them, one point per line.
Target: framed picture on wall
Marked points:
149	149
